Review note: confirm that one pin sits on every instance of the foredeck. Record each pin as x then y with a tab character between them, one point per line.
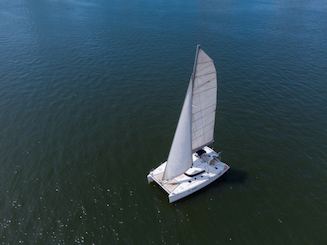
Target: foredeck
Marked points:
169	187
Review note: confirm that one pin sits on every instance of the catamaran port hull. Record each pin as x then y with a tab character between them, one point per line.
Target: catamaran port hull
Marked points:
206	168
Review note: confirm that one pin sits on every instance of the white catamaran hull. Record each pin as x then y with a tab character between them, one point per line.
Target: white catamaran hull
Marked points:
205	169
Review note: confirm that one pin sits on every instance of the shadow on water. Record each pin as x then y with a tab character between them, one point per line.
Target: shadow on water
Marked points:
233	176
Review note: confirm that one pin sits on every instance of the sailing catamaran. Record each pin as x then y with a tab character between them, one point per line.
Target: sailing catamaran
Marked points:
191	163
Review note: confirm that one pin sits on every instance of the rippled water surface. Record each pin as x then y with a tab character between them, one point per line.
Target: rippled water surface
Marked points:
90	94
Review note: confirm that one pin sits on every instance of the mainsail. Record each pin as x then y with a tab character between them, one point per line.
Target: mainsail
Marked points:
204	99
195	127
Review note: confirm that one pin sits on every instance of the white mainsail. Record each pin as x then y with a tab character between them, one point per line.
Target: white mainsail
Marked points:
204	100
195	127
180	155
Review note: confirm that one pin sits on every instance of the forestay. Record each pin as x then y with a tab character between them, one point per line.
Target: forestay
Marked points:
204	99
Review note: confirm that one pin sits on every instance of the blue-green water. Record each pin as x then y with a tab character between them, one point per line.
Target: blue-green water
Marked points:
90	94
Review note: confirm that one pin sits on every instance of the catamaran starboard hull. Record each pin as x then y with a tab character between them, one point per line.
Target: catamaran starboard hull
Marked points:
205	169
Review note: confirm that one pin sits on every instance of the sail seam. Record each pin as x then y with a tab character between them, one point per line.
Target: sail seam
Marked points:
206	108
206	125
204	83
205	90
204	62
205	67
206	74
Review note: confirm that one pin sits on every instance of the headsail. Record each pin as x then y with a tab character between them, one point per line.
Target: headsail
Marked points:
204	100
180	155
